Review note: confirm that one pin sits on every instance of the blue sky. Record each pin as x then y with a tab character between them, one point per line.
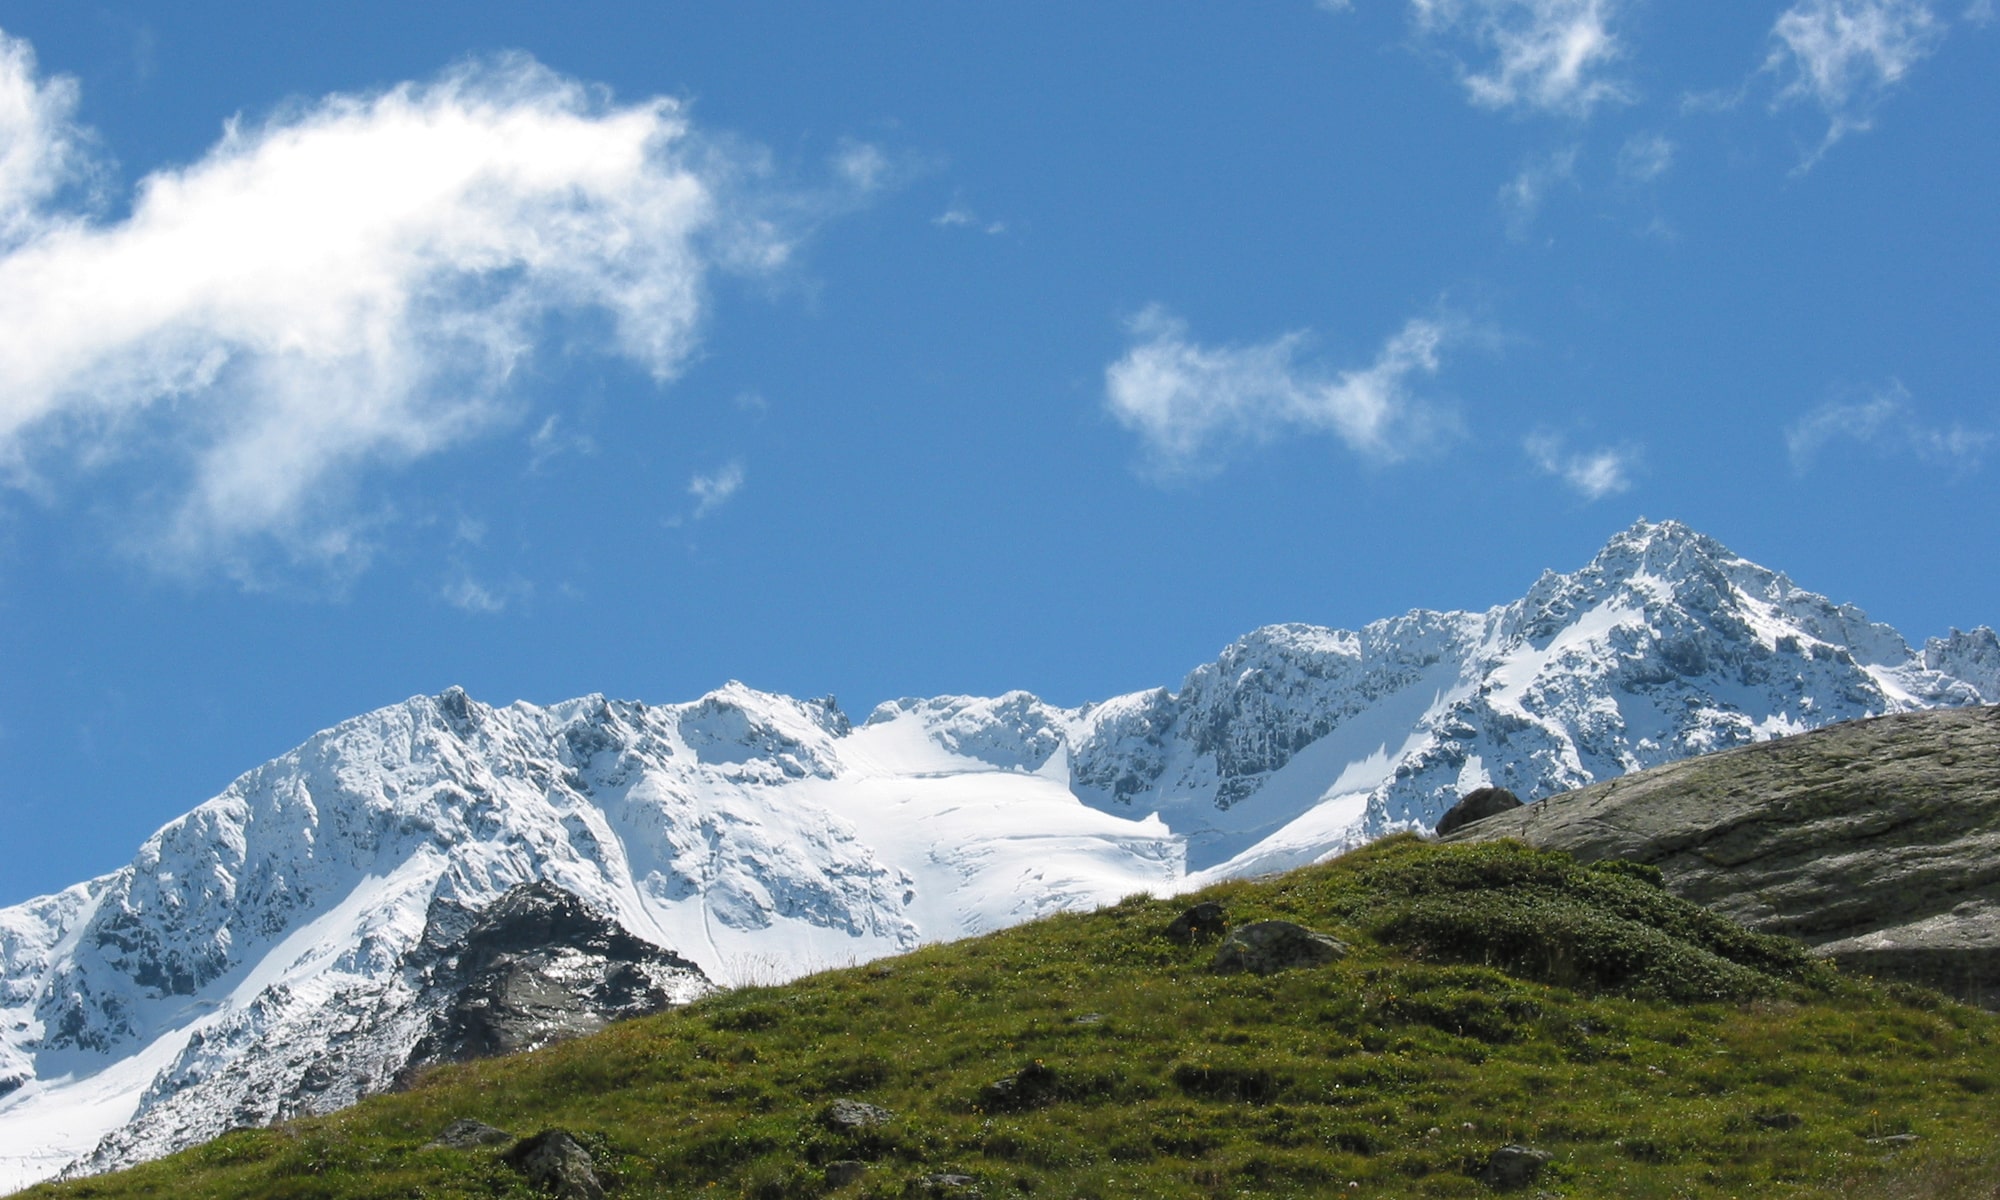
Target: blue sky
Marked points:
351	352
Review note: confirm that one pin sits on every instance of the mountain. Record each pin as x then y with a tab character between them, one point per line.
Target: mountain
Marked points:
1411	1020
1874	841
276	950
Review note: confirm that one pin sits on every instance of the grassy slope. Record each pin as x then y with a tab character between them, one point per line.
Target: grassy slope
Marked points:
1636	1038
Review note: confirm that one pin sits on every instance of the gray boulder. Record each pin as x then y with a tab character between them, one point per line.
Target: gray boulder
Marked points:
1267	947
944	1186
466	1134
1514	1166
558	1164
846	1115
1876	842
1477	805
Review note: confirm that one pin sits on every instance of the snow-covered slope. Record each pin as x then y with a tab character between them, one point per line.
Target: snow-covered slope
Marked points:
265	951
1299	741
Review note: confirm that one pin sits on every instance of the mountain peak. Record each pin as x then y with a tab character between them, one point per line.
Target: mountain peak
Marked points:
761	835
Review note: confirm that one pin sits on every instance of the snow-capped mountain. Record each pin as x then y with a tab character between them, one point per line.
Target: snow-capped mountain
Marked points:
275	950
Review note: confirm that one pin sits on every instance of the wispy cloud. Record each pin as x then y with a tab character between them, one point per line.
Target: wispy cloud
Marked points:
1521	197
1886	423
960	217
1549	55
1645	157
1190	404
42	149
711	492
1846	55
1592	474
553	439
346	288
469	595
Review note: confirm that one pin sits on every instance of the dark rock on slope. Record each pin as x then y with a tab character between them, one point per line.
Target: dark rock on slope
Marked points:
1477	805
537	966
1876	842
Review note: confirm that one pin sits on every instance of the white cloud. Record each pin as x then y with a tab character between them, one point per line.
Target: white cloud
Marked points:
41	147
1592	474
1845	55
1521	197
960	217
1645	157
551	440
1190	403
345	288
713	491
1550	55
469	595
1887	423
862	165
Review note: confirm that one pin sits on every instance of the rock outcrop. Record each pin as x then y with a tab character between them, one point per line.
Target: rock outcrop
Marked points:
1876	842
1477	805
537	966
1268	947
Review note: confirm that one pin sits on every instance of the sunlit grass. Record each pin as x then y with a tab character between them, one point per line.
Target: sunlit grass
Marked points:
1494	994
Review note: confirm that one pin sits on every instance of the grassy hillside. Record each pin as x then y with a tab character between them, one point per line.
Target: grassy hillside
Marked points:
1492	994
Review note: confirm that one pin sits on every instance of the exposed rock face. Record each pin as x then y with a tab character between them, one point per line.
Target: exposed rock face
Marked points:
847	1115
1477	805
535	966
538	966
1876	842
1267	947
467	1134
1514	1166
558	1164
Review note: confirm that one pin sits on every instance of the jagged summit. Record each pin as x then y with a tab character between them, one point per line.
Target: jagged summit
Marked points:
277	931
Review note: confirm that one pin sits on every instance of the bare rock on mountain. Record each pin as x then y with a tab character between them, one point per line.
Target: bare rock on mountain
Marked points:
1477	805
1876	842
539	966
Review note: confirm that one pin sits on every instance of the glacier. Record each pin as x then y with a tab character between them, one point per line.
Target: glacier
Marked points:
264	955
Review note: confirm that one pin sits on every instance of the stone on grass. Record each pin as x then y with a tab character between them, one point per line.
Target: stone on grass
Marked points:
944	1186
558	1164
466	1134
1514	1166
1030	1087
844	1171
1895	1141
1267	947
1201	923
847	1115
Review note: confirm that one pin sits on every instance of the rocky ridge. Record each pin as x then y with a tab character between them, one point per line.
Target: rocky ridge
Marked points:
1877	842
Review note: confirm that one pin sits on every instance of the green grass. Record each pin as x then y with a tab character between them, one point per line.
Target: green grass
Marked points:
1494	994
